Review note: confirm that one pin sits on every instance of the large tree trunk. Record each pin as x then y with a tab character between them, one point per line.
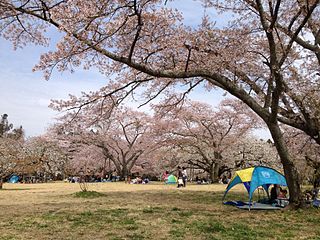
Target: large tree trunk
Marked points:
290	171
215	173
211	173
1	183
316	177
216	167
124	172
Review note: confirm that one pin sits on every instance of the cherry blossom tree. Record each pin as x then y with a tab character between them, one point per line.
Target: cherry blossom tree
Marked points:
10	158
167	158
82	157
89	164
300	25
43	157
250	151
306	154
261	57
124	138
205	134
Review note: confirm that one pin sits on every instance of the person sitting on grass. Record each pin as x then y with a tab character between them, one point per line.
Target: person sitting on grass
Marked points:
275	190
165	176
278	196
282	194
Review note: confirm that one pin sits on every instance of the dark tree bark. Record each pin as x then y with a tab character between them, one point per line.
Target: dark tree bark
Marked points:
290	171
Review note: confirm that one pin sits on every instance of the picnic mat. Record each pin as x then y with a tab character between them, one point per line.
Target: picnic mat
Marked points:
259	206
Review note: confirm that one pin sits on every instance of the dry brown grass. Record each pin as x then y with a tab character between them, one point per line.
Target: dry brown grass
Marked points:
50	194
151	211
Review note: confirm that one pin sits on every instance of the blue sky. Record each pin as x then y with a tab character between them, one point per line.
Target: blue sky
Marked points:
25	95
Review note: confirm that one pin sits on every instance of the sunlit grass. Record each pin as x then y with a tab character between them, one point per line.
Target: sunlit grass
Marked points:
155	211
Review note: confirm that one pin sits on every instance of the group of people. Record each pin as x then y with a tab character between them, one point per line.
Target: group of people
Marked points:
277	193
182	177
201	180
137	180
224	179
311	195
278	196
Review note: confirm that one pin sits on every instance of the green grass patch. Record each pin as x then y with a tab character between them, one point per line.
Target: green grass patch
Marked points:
152	210
118	212
177	233
135	236
88	194
8	237
208	226
185	214
242	231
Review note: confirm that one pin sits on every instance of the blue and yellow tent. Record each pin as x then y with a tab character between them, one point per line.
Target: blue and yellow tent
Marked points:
254	177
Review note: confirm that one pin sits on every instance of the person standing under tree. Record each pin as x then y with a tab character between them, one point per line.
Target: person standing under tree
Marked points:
184	176
180	179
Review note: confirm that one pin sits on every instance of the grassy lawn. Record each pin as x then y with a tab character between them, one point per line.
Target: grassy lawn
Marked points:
153	211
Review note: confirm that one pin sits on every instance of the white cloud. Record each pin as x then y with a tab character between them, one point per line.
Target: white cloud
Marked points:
42	102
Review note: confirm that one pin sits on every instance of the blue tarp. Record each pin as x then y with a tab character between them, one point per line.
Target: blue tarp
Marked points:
14	179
